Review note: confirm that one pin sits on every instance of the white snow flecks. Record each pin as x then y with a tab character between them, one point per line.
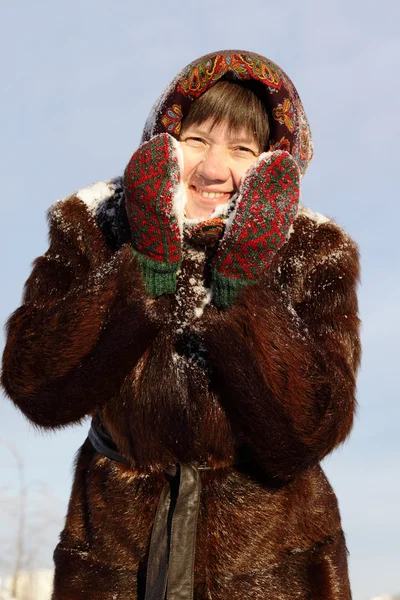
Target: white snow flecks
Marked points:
314	216
298	260
95	198
198	311
181	364
300	330
218	211
290	231
335	256
96	193
100	275
57	216
194	253
192	297
180	197
232	210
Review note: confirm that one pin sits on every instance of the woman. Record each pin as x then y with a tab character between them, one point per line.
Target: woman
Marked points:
208	324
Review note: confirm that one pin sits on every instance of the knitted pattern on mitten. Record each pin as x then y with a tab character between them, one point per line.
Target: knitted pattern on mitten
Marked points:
151	181
258	225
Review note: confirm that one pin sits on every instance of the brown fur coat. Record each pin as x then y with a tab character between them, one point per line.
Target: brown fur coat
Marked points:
271	379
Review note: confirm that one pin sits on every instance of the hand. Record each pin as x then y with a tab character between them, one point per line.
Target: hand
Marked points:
259	225
151	181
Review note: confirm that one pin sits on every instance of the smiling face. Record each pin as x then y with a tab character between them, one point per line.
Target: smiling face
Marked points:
215	160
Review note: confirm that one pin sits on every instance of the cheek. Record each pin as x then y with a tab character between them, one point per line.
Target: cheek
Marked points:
186	171
240	171
190	161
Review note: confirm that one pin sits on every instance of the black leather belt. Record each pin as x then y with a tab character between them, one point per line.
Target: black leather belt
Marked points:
170	565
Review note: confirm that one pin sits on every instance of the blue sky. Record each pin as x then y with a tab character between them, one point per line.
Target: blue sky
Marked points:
79	78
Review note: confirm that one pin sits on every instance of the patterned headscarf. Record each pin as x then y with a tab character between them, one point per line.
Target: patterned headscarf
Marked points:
289	128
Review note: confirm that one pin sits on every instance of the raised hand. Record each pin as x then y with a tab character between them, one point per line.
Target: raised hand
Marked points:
152	182
258	226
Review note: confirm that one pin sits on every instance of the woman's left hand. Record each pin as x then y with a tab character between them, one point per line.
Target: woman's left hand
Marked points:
260	224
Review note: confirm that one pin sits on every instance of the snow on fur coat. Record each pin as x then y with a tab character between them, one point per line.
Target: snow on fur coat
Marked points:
261	392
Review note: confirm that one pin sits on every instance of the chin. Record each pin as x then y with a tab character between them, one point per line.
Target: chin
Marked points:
193	211
198	214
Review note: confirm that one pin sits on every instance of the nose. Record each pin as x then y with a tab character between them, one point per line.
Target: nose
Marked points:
214	166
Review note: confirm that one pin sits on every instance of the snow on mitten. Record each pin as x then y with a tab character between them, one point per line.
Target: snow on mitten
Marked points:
151	182
259	224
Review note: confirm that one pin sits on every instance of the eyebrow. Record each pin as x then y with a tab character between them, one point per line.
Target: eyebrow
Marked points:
233	140
243	140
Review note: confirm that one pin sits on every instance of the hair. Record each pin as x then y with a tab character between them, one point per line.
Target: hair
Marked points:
235	104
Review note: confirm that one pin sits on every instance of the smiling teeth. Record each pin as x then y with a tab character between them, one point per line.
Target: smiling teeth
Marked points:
210	194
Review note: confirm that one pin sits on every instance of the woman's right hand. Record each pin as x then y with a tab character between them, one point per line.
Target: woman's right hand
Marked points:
152	183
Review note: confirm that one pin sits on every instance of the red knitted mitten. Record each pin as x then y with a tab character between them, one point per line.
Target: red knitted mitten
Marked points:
258	226
151	180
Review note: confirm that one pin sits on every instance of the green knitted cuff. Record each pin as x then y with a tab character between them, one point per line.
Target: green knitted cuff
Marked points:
159	277
225	289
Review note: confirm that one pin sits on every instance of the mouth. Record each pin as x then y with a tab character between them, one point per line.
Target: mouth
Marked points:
210	197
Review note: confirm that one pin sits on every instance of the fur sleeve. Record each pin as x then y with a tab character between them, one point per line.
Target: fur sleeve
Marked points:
285	356
82	326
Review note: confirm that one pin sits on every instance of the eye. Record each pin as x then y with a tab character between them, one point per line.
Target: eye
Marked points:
194	141
245	151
